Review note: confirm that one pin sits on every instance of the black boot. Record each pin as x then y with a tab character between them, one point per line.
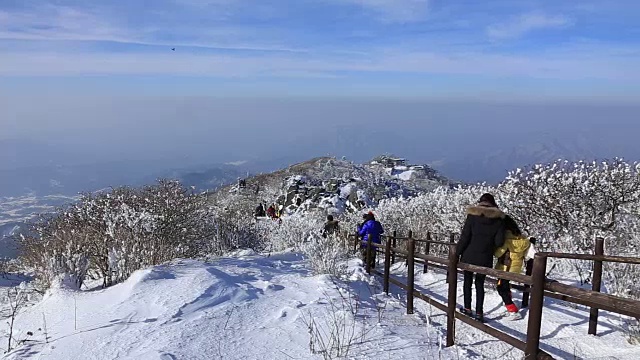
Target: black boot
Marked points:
464	311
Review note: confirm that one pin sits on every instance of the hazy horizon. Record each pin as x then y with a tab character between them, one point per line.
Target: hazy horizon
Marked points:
196	131
474	88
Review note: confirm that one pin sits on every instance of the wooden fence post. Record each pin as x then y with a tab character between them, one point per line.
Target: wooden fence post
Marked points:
427	249
368	255
596	285
452	277
411	247
451	241
387	263
527	288
393	255
406	261
535	310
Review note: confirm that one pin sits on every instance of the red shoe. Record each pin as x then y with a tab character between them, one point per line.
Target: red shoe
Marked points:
512	308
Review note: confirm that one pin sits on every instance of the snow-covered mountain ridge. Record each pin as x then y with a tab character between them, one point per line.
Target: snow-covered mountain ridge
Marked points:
336	185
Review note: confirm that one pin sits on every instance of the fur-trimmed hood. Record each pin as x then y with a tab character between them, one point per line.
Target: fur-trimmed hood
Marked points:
485	211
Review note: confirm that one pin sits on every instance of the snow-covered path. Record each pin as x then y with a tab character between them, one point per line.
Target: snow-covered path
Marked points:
255	307
564	325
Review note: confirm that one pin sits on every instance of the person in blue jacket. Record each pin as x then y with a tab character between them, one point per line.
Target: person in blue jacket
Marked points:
370	230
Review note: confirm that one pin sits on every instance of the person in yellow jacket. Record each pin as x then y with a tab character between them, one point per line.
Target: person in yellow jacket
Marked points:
511	257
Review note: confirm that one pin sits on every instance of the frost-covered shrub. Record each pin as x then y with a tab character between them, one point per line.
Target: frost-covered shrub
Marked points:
232	226
578	200
293	231
109	235
566	205
325	255
58	249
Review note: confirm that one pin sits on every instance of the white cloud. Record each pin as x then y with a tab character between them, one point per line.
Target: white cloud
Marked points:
393	11
51	22
526	23
54	23
236	163
266	56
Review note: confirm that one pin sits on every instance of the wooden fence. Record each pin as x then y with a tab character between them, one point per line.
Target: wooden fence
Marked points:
536	285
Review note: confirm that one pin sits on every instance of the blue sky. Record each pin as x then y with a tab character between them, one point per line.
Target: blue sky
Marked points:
406	48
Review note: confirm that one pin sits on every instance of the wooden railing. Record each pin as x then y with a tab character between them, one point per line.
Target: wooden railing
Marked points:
536	284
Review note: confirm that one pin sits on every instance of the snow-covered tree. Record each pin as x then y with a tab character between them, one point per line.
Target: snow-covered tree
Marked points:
111	234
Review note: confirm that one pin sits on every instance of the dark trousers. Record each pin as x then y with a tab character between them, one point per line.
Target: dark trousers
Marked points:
372	260
468	281
504	290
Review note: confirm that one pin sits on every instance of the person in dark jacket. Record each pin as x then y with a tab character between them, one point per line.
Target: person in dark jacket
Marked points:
371	231
482	234
331	227
259	211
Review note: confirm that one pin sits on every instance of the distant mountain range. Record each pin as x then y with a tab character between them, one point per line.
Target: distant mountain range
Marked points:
493	166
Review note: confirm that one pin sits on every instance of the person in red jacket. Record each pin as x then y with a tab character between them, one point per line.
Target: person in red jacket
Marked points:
271	212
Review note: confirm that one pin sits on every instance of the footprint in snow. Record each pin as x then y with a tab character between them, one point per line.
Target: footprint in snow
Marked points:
299	305
274	287
283	313
268	286
287	315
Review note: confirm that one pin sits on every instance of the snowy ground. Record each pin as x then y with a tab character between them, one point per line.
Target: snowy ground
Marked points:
250	306
564	325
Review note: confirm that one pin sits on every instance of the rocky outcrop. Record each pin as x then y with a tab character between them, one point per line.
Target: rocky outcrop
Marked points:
336	185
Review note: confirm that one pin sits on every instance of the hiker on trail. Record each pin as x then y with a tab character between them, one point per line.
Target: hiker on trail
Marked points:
331	227
482	233
259	211
511	257
271	212
370	231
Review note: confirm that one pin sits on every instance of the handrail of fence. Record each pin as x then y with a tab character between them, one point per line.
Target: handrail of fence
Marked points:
536	286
